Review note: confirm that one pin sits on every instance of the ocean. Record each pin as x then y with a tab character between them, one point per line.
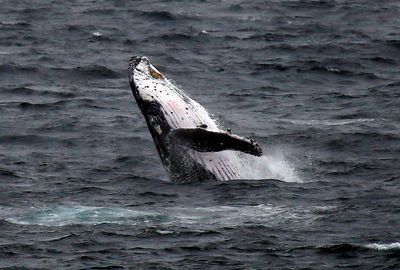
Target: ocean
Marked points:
316	82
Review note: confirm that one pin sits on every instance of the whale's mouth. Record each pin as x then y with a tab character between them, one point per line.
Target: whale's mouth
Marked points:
142	65
135	60
133	64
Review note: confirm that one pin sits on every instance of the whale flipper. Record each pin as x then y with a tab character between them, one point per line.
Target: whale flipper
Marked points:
203	140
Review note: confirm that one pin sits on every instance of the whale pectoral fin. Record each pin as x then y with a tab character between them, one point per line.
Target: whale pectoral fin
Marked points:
203	140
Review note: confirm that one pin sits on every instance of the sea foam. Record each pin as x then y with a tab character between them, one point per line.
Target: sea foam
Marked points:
391	246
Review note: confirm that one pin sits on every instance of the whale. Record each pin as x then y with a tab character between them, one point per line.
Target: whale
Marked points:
191	144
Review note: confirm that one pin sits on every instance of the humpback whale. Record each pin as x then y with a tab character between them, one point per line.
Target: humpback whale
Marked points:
190	143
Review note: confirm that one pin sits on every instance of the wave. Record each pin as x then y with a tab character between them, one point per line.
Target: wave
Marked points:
22	90
40	106
99	11
394	42
4	172
270	36
160	15
81	102
129	42
97	36
94	70
14	68
269	66
88	71
25	139
347	247
176	36
15	23
304	4
383	247
380	59
57	94
386	90
201	217
331	122
164	15
34	10
339	248
345	69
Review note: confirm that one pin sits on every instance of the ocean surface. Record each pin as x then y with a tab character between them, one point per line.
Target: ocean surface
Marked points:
317	83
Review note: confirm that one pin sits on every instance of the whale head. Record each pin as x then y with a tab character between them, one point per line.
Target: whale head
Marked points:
150	89
144	79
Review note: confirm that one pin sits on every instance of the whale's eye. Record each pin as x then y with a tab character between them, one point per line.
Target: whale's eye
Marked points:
155	74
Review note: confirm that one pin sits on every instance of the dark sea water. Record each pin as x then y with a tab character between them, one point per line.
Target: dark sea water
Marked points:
317	83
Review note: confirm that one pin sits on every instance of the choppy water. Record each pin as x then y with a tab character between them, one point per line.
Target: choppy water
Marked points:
316	82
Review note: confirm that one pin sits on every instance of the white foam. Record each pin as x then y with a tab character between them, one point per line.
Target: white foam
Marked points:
186	217
377	246
68	215
332	122
9	22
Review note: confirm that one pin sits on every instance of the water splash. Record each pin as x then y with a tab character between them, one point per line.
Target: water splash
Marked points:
273	165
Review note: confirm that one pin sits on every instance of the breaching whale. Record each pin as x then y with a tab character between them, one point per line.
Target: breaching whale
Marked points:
191	145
